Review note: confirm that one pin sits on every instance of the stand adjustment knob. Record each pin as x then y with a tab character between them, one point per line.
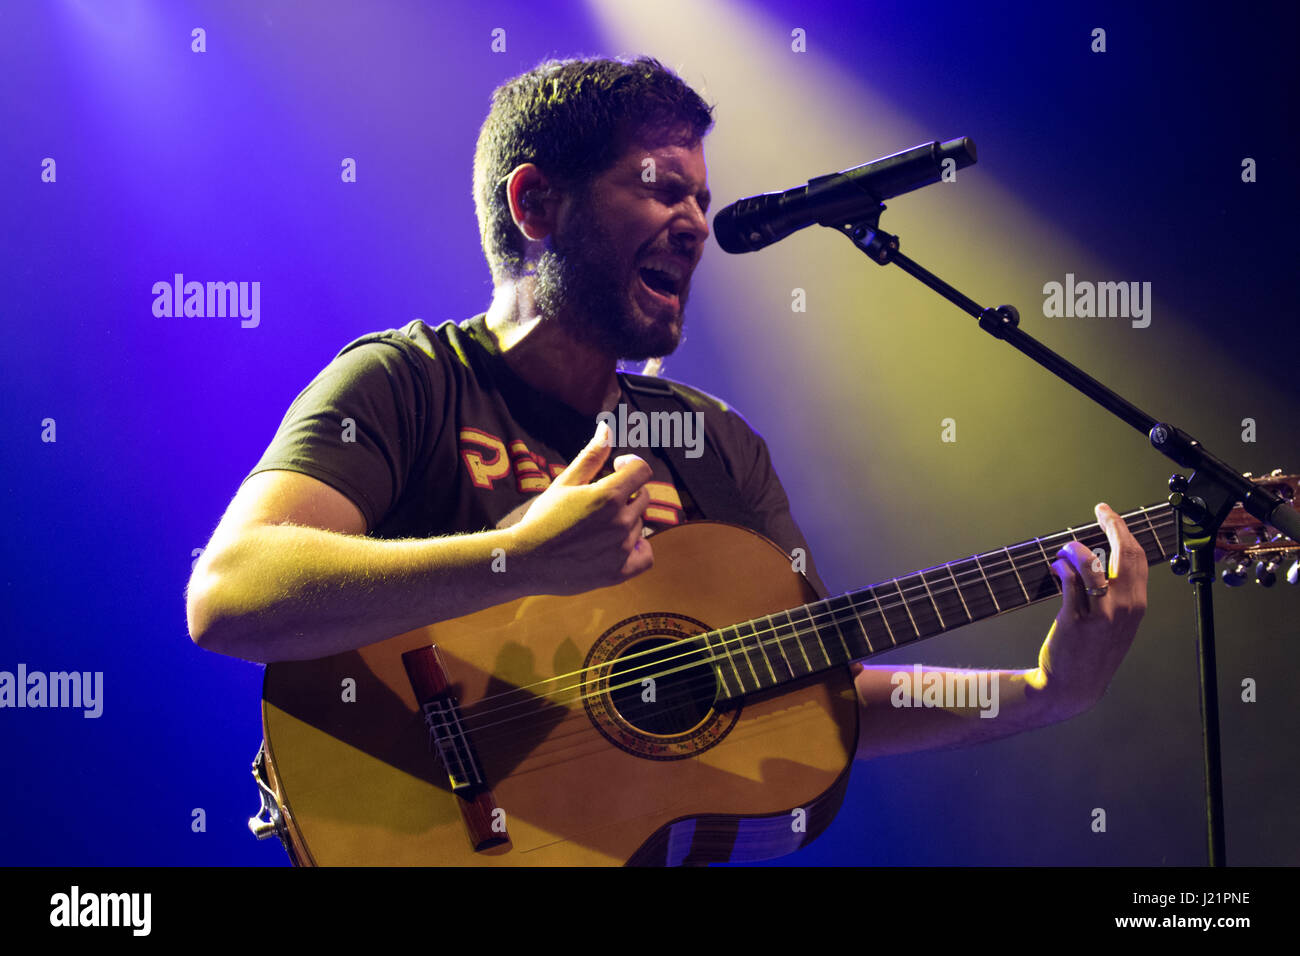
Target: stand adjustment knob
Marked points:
1235	576
1266	573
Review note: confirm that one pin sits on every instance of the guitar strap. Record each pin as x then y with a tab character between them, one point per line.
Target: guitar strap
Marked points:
705	478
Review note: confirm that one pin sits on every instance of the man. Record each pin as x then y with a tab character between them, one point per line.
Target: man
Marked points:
421	456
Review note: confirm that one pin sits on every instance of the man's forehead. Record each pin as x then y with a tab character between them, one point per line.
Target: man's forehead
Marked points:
685	161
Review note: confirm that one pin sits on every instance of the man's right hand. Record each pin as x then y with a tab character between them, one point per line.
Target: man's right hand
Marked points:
579	535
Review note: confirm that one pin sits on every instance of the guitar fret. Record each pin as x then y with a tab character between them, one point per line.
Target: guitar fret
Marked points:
735	670
881	609
784	634
789	668
862	623
1102	540
1016	570
975	589
761	646
817	633
737	674
945	598
1034	577
1009	599
906	608
1051	575
798	639
749	661
718	667
1075	537
930	594
997	607
922	604
957	587
848	655
1146	513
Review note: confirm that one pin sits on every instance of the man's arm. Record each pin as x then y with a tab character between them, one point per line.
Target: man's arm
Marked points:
1018	702
1084	647
289	574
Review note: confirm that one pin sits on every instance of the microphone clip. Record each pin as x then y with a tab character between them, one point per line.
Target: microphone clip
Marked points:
866	234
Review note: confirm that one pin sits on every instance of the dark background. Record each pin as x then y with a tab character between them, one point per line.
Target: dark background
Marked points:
224	165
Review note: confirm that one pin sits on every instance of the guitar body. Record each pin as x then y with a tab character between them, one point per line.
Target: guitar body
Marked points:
577	774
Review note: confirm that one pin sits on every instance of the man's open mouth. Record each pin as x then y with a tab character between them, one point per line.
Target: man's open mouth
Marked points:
659	283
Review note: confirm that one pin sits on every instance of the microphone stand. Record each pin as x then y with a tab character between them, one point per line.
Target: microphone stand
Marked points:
1200	503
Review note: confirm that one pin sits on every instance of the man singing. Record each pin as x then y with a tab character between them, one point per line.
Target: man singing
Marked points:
419	454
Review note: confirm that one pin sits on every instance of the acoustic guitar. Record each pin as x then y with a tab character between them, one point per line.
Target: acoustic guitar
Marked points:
703	711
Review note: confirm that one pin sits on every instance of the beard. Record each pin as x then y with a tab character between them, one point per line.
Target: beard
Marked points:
582	283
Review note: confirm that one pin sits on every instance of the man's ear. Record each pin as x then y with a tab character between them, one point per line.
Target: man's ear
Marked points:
528	194
535	199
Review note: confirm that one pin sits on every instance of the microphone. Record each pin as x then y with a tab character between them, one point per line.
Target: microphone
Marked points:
837	198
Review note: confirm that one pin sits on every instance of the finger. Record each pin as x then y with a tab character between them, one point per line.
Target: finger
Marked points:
1069	587
1127	556
1106	517
632	518
635	535
1085	564
638	505
641	559
590	460
630	473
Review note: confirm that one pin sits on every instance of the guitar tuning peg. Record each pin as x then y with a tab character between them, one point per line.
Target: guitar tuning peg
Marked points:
1235	576
1275	472
1293	573
1266	573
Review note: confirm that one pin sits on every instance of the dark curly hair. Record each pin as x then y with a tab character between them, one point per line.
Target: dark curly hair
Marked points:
573	119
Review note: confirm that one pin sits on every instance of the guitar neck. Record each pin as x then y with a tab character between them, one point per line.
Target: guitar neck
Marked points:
768	652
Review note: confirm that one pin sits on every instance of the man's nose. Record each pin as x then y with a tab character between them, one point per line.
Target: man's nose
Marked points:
694	224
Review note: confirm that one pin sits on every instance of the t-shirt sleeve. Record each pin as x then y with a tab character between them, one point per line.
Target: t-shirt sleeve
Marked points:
361	425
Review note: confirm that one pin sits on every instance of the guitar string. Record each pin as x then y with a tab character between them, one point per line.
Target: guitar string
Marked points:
553	742
1010	567
584	727
706	655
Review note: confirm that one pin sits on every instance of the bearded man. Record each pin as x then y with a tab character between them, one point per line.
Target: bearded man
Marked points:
421	455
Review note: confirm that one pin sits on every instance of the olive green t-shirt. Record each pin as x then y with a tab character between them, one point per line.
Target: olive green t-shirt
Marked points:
429	432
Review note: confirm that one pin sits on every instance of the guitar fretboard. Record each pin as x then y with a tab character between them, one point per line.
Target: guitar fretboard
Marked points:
767	652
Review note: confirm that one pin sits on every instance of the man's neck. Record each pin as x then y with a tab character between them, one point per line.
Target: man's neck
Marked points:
544	354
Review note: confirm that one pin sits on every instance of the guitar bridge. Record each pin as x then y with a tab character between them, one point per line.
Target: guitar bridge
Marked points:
484	820
447	739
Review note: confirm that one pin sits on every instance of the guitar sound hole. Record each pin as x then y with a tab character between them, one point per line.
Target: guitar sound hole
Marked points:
663	687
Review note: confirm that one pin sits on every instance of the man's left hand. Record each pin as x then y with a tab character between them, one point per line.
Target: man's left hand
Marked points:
1092	632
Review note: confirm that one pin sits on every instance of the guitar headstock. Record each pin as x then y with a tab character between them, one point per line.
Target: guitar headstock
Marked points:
1252	548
